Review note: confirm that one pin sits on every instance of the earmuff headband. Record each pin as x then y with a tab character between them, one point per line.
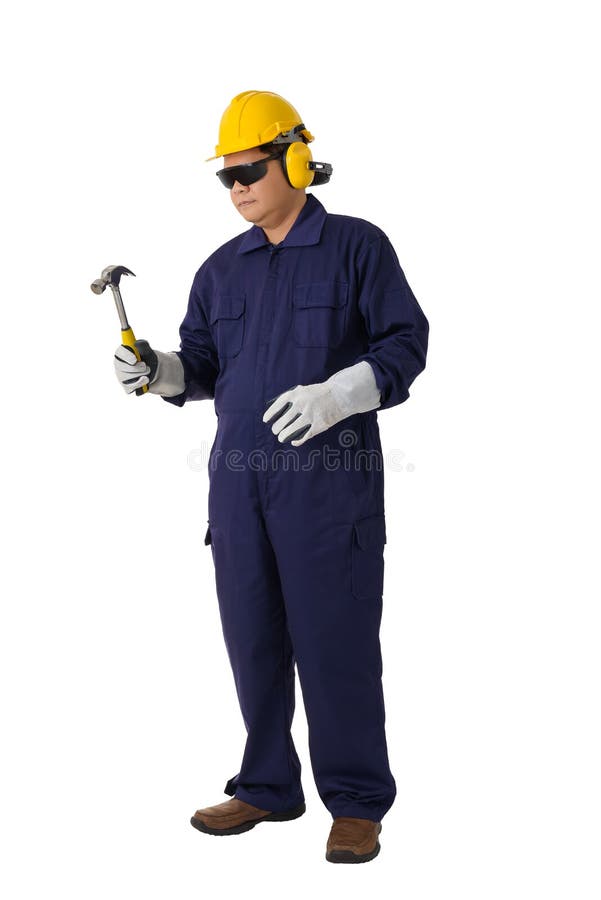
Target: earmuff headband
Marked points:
287	136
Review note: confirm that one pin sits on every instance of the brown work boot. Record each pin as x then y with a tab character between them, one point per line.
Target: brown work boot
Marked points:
235	816
353	840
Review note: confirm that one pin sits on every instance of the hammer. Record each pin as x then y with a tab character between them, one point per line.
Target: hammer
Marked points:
111	276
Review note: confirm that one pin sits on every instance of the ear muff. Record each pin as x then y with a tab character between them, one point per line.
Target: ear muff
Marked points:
295	164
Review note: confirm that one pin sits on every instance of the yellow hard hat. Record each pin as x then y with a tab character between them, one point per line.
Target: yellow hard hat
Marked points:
254	118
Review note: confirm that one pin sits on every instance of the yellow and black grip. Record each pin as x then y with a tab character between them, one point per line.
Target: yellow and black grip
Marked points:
144	352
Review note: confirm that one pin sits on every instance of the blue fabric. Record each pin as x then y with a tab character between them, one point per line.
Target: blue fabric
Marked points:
298	533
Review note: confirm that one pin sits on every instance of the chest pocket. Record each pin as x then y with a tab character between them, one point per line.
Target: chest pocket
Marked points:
227	323
319	313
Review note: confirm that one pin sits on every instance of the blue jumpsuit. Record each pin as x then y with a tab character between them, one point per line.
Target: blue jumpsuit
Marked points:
297	533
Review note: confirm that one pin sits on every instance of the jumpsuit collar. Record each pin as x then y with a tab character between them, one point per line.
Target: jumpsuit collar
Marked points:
306	229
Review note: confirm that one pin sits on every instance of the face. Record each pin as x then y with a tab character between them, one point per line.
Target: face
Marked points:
269	199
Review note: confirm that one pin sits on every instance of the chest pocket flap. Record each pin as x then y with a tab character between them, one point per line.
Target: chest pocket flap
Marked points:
228	306
227	321
320	313
321	293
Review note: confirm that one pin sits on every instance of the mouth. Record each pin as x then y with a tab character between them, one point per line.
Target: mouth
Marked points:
245	203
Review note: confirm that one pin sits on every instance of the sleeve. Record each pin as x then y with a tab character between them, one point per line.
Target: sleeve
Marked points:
197	350
397	328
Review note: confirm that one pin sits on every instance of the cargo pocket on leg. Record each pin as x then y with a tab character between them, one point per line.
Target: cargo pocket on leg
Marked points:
367	557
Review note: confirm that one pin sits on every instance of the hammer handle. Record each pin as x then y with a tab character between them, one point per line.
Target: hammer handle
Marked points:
128	338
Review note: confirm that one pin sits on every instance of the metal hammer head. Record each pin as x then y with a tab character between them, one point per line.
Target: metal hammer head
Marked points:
109	276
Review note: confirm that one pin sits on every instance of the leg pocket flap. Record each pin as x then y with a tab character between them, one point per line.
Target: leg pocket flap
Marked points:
371	532
367	560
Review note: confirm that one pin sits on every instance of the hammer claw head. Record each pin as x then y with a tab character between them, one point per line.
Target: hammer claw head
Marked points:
111	275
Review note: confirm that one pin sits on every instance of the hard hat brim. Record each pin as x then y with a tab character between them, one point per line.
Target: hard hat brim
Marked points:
265	138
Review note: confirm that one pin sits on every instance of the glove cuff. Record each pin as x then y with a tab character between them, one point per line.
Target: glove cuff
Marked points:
169	379
355	389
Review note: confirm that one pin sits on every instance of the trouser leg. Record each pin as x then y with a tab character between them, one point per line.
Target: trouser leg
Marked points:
260	651
331	574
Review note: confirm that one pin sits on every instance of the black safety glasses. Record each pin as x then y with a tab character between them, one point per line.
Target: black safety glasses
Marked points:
245	174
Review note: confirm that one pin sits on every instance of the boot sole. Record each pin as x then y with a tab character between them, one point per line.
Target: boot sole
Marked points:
347	856
246	826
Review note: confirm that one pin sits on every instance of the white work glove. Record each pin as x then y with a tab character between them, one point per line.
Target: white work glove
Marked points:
309	409
162	372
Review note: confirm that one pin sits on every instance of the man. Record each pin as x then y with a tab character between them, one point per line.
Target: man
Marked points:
299	328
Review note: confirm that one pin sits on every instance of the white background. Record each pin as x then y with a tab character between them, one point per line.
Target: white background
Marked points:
469	132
